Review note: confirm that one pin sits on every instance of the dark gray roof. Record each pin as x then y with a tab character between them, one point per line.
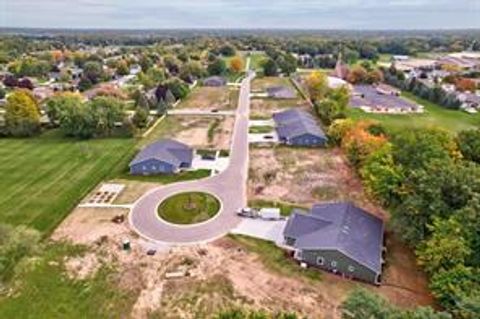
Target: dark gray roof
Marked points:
215	81
281	91
167	150
367	95
294	122
342	227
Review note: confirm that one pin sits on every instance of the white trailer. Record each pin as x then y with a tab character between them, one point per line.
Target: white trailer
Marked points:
270	214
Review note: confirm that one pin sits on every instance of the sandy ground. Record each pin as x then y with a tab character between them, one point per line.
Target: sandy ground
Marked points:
217	275
194	132
266	107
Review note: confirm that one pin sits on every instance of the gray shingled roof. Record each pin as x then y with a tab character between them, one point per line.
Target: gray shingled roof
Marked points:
293	122
215	81
367	95
167	150
339	226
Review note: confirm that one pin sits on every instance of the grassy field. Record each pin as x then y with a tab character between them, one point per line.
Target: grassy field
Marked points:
189	208
285	208
46	292
260	129
257	60
261	84
43	178
167	178
208	98
434	116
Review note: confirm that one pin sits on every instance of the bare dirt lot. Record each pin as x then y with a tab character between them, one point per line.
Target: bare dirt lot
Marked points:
205	132
196	281
208	98
304	176
265	107
261	84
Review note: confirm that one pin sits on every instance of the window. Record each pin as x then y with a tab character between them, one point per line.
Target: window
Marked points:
320	260
144	168
351	268
154	167
333	264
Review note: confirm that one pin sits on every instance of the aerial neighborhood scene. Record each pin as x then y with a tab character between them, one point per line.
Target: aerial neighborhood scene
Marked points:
240	160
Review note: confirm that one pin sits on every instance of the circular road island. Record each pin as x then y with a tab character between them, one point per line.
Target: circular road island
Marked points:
189	208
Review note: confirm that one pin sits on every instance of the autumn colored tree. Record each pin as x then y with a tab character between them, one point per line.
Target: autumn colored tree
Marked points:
357	74
317	85
236	64
464	84
22	116
358	143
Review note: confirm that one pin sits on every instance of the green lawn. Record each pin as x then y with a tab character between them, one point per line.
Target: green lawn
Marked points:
257	60
435	115
260	129
189	208
43	178
45	291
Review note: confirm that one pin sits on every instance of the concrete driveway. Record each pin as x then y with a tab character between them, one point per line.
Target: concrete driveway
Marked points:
229	186
261	229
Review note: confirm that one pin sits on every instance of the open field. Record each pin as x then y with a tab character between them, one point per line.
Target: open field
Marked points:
256	61
43	178
209	98
435	115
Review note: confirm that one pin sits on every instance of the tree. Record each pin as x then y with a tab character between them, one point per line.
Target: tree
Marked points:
374	77
122	68
287	63
236	64
464	84
93	71
217	67
333	106
140	117
58	103
22	116
107	112
445	249
178	88
380	175
227	50
317	85
469	144
2	93
270	68
25	83
357	75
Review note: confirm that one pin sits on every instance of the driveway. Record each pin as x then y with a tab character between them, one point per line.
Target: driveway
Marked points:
261	229
229	186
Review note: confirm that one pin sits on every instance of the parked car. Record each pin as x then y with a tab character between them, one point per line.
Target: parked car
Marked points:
268	137
247	212
270	214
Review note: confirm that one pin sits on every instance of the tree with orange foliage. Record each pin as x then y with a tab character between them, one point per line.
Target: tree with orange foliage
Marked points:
464	84
359	142
57	55
236	64
357	75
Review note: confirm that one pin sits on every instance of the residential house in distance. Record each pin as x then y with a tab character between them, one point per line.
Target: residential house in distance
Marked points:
281	92
381	99
338	237
162	157
215	81
298	128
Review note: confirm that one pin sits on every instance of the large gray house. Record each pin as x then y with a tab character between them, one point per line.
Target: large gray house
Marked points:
162	157
215	81
338	237
298	128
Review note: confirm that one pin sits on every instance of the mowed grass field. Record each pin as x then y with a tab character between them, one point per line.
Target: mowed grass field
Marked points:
434	116
43	178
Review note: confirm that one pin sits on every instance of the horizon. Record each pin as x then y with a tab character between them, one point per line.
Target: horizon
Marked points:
374	15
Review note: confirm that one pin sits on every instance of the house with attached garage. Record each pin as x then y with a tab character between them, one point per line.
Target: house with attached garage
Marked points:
338	237
298	128
162	157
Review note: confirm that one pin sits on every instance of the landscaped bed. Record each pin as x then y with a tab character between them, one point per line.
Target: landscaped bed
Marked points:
189	208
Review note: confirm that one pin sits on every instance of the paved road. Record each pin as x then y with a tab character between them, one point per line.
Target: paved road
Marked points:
230	187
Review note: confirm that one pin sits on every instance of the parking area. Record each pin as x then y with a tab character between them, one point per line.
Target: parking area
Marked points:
263	138
261	229
213	162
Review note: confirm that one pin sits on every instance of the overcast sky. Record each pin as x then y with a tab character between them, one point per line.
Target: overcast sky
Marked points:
312	14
